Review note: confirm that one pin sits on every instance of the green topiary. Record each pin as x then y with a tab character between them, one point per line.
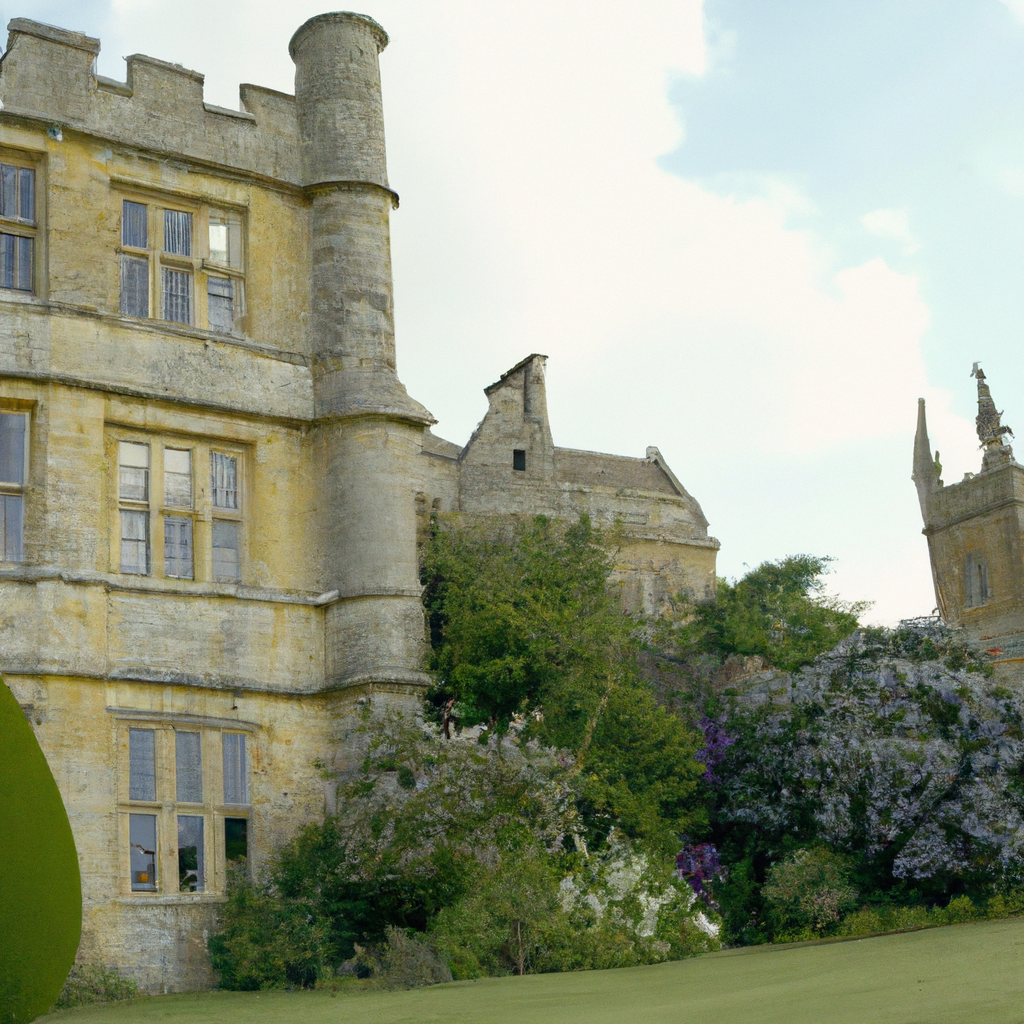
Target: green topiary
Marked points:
40	885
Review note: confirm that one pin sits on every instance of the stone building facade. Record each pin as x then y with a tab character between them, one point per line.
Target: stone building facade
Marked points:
975	531
211	478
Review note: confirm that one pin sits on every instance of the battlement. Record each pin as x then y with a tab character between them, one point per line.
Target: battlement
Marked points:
48	74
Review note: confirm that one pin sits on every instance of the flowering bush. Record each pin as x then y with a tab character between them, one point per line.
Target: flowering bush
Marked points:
809	890
896	749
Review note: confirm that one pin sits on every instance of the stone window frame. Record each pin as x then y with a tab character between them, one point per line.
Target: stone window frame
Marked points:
198	263
166	808
977	590
20	227
202	515
14	488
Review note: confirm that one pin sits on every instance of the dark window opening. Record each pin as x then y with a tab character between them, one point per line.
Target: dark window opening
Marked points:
142	840
191	869
519	460
236	840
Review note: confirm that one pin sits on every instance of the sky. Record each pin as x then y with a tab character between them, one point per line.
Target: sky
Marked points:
749	233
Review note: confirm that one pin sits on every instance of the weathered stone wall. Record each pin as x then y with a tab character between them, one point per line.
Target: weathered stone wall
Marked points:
338	472
659	531
977	526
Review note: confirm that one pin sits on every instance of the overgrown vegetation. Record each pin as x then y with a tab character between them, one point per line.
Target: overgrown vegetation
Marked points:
587	789
779	611
93	983
477	848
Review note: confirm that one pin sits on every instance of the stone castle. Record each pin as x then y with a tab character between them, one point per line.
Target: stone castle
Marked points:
975	531
212	481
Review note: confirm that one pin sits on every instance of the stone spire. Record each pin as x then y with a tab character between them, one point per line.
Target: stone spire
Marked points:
926	470
990	429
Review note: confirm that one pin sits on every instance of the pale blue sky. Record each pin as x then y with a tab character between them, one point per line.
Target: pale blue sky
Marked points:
752	233
916	105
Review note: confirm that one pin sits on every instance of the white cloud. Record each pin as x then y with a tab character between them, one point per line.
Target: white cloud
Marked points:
523	139
1016	8
894	224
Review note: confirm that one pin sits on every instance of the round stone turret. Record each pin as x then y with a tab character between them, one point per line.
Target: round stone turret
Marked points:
367	430
337	91
341	123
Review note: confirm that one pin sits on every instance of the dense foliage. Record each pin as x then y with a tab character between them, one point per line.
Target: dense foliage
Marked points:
524	628
779	611
895	751
587	789
480	848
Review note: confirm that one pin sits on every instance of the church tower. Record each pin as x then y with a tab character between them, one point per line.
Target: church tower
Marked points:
975	531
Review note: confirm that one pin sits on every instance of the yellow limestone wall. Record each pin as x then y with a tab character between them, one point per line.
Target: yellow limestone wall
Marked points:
326	617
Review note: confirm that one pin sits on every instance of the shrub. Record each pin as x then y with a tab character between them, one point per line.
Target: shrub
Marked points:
93	983
809	891
406	960
960	909
40	886
268	942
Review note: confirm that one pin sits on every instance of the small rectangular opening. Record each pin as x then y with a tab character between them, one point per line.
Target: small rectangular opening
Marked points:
519	460
236	841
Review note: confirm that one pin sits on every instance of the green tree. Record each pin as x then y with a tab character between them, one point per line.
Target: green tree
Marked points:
524	628
779	611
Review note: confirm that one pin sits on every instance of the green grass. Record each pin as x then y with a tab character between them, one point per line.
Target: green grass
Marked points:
970	974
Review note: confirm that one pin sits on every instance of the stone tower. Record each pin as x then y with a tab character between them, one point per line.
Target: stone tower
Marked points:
975	531
367	430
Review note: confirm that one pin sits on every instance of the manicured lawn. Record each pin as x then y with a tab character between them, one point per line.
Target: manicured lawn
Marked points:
970	974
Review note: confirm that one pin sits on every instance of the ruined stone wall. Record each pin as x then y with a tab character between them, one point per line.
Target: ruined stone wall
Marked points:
511	468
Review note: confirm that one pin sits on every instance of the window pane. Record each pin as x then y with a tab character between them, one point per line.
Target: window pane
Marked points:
134	286
236	774
135	542
236	839
178	477
142	837
188	759
178	547
16	262
8	261
11	526
224	480
177	296
27	199
8	191
133	471
12	447
177	233
190	853
225	239
23	254
225	551
220	304
218	240
133	225
141	764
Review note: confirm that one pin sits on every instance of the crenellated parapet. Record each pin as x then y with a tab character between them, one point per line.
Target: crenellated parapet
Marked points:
159	108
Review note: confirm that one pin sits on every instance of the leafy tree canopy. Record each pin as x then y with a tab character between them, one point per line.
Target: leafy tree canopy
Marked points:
779	611
525	630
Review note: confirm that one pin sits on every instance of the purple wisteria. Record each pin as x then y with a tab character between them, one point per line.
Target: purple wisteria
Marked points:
716	742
